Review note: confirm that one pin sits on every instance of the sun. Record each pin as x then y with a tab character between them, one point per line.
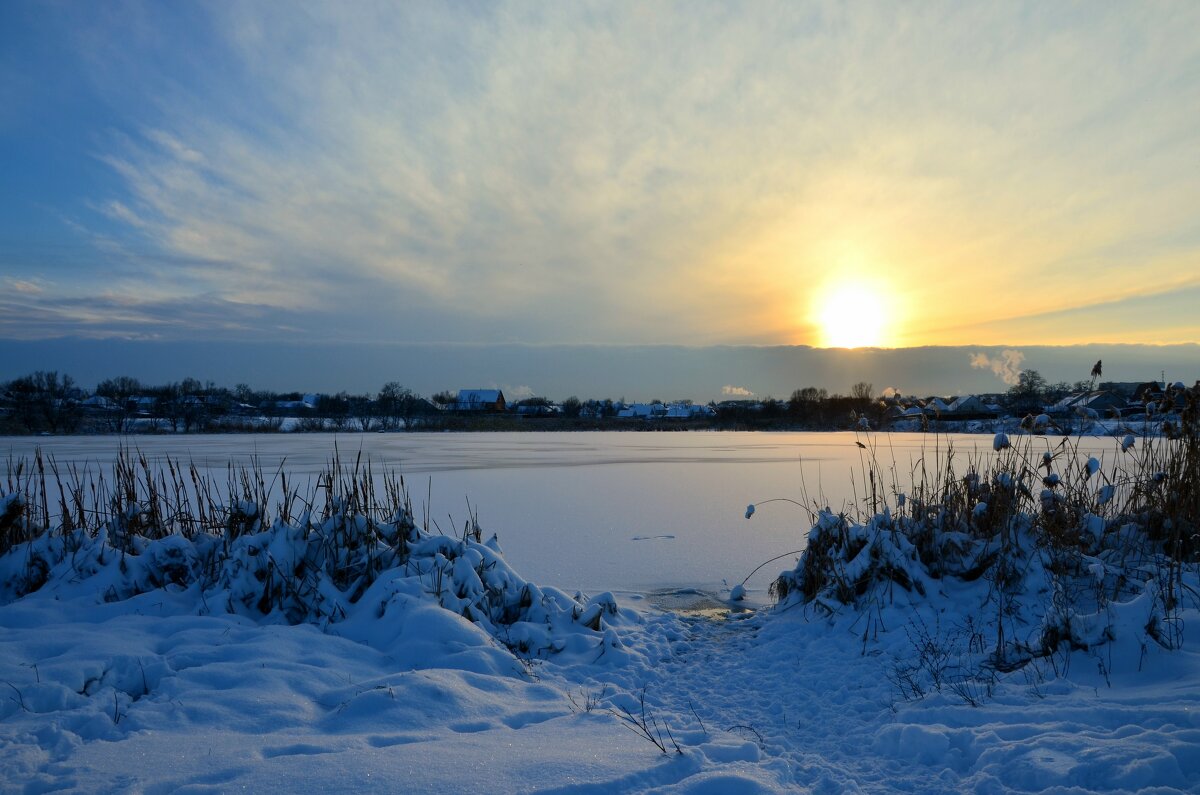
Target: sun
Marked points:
852	315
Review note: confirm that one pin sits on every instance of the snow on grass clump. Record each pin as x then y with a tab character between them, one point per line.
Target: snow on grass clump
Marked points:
1023	559
343	559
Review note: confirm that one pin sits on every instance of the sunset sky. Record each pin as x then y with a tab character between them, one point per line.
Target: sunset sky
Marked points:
699	174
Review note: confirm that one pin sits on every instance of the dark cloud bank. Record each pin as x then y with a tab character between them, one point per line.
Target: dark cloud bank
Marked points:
634	372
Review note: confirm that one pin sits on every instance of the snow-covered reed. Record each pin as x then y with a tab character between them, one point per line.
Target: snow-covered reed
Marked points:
350	545
1031	552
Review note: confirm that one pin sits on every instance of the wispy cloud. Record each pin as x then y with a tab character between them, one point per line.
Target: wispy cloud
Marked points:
736	391
654	173
32	315
24	286
119	212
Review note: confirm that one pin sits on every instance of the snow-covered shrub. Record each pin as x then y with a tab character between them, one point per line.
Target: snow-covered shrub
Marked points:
1051	550
844	560
151	531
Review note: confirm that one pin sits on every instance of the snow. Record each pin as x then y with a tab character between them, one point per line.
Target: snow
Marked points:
768	703
116	677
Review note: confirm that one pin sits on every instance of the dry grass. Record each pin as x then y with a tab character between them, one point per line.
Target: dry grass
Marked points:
1025	519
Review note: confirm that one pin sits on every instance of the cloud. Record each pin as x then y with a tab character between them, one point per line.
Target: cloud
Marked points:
634	173
34	315
119	212
1150	314
1006	366
24	286
736	391
890	392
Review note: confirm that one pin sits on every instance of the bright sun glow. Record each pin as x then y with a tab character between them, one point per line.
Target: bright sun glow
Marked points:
852	315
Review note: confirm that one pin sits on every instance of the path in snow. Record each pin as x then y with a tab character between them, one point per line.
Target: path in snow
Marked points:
804	711
824	717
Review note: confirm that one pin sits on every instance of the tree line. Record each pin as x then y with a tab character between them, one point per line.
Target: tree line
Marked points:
53	402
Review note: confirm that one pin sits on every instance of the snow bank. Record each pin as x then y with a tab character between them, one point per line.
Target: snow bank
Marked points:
387	582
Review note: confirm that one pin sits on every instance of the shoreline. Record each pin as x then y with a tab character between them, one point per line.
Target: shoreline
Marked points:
504	424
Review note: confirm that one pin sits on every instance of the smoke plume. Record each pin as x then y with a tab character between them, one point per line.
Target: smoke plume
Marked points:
1006	366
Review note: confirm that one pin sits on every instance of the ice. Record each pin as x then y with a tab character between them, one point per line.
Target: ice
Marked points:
565	506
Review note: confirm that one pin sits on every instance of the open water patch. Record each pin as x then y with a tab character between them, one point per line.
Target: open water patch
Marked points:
696	603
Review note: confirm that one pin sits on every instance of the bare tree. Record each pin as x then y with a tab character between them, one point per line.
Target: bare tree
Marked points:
45	399
805	401
396	404
1029	394
121	390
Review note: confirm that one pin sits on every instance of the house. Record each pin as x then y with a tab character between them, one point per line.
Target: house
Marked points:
1088	404
487	400
1149	390
968	404
901	412
99	403
1126	389
539	410
739	406
307	402
141	404
1155	393
688	411
936	406
290	405
643	411
1104	403
970	407
1064	405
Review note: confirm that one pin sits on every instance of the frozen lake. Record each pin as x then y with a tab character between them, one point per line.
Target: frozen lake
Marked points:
591	511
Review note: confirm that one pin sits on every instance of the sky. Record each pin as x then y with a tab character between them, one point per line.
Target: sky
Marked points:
599	174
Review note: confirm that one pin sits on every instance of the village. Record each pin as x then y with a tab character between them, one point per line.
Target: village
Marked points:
53	403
